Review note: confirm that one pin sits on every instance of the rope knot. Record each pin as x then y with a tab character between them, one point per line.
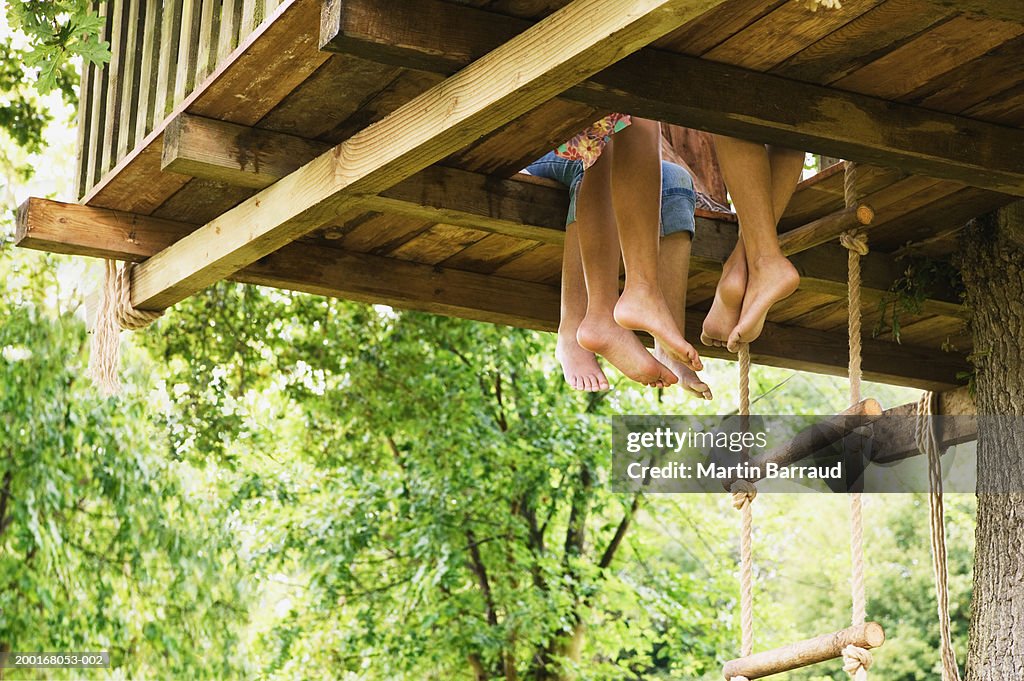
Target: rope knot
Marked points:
743	492
856	662
855	240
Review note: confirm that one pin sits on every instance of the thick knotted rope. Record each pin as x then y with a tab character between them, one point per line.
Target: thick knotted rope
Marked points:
924	433
115	313
743	493
856	661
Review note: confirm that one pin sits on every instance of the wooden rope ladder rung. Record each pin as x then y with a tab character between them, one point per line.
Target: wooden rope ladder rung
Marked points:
853	643
803	653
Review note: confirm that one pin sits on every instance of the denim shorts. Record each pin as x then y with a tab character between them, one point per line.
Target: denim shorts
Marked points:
677	195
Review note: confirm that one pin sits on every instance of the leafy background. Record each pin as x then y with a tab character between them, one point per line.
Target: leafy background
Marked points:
295	487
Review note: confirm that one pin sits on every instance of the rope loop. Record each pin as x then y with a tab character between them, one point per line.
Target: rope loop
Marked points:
129	318
115	313
856	662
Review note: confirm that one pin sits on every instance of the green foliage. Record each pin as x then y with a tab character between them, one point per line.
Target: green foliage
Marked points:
921	278
104	543
59	31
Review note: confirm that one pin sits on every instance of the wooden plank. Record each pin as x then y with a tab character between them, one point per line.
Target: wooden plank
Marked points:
188	50
724	99
344	96
974	82
863	40
490	253
492	91
718	25
130	73
1007	107
230	24
149	65
209	33
170	40
286	53
84	230
439	243
86	113
97	126
784	32
994	9
932	54
115	85
231	153
249	157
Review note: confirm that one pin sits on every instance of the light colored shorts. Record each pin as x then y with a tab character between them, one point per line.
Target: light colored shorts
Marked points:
677	195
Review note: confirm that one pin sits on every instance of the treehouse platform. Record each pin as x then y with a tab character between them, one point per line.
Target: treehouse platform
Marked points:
371	150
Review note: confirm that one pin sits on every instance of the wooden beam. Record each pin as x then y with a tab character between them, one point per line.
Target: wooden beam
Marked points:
250	157
533	67
993	9
83	230
956	422
803	653
709	96
816	437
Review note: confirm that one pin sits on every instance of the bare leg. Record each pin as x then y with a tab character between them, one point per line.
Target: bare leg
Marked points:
673	272
636	196
786	166
579	366
747	169
599	249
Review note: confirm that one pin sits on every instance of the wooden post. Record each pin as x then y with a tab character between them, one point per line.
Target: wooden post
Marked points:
803	653
823	434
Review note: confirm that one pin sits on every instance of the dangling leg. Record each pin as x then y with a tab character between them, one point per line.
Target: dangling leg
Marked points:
636	183
579	366
673	273
599	248
748	171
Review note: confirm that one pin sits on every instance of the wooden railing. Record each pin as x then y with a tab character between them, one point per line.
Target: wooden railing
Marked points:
160	51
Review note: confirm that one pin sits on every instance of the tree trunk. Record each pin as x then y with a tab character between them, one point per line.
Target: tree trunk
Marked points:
992	263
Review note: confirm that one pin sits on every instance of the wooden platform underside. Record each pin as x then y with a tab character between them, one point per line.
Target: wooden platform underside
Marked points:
470	237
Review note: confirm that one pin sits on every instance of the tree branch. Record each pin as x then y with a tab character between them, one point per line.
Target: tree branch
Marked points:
620	533
480	570
5	495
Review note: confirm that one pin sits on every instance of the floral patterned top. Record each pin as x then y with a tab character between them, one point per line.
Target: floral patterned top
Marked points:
588	145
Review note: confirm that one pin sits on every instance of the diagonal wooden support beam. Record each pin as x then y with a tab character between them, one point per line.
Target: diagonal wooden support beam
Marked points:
84	230
570	45
250	157
437	36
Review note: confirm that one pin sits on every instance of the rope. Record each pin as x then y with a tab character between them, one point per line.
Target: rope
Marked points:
856	660
115	313
743	494
924	434
813	5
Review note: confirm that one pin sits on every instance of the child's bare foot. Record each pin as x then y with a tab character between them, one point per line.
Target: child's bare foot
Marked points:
624	350
724	314
688	379
643	308
770	279
579	366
